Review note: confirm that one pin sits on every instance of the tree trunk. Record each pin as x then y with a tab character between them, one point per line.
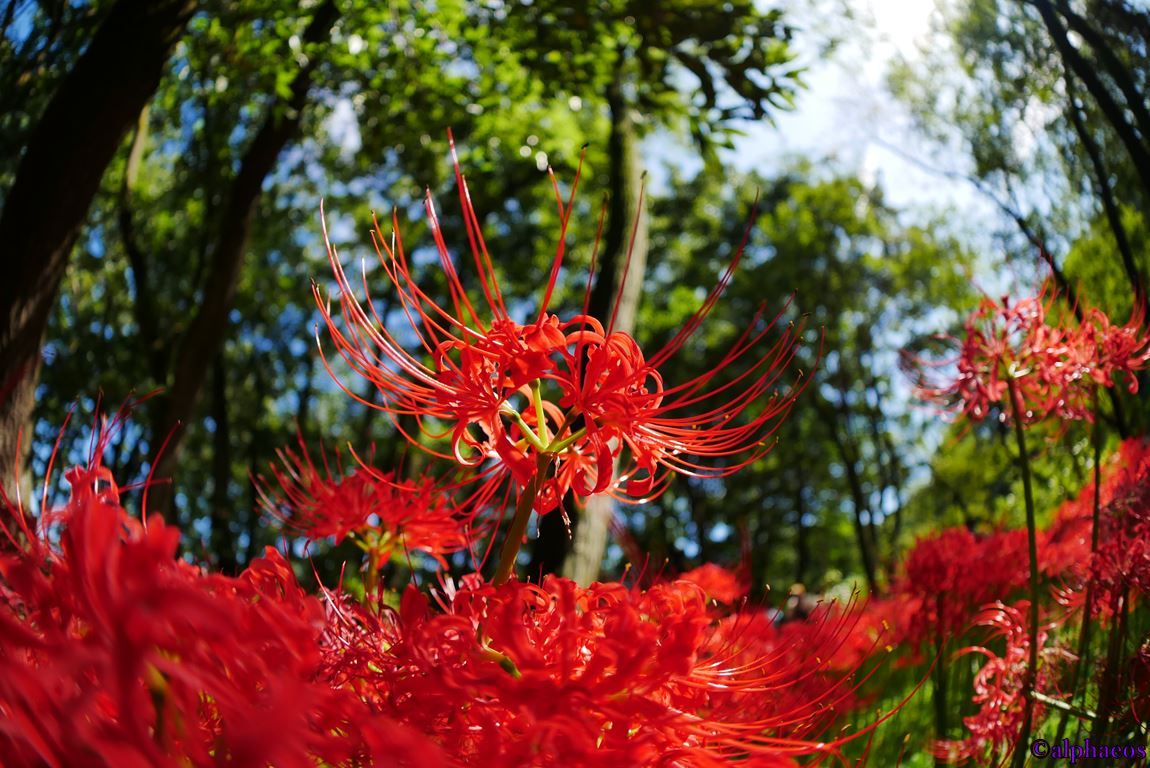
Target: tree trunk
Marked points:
59	174
1105	192
802	533
207	330
621	278
223	539
858	497
1074	61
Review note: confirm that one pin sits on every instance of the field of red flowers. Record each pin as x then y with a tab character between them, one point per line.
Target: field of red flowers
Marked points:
116	651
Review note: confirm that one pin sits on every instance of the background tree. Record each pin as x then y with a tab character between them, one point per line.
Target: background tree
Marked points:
63	156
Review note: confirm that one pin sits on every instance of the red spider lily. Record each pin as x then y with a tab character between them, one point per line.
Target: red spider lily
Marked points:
999	688
949	592
1053	367
114	652
1123	558
718	583
1004	342
1116	349
566	397
557	674
383	514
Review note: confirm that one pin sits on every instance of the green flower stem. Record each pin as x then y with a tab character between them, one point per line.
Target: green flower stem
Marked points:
560	446
1088	608
540	417
1108	689
528	433
523	509
1021	747
940	674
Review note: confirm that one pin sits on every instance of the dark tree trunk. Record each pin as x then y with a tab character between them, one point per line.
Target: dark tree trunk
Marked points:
802	532
209	326
863	536
1119	73
1105	192
223	538
58	176
1074	61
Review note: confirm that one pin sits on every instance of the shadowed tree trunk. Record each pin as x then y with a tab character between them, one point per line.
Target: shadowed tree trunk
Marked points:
620	280
1114	113
1105	192
59	174
209	326
865	540
802	537
223	539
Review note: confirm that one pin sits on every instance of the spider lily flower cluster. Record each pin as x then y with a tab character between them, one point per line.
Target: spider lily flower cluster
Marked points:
383	513
115	652
555	403
1013	358
1053	368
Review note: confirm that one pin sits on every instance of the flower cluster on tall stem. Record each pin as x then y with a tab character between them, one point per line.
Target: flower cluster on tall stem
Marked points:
553	403
1001	684
1013	358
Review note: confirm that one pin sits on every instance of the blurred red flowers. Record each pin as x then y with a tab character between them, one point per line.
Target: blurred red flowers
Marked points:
383	514
113	652
1054	367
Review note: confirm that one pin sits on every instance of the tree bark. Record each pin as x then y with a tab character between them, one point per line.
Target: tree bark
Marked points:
1119	73
858	497
802	532
209	326
1074	61
1105	192
223	540
620	284
59	174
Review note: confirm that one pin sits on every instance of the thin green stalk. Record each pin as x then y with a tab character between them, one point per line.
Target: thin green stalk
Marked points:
528	433
1021	747
1112	671
540	417
518	528
1088	609
940	686
560	446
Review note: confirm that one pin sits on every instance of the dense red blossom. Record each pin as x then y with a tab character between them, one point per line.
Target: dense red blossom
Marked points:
720	584
114	652
566	397
557	674
384	513
1123	558
949	590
